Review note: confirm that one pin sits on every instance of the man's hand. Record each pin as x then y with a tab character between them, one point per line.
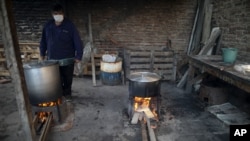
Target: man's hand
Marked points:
77	61
42	58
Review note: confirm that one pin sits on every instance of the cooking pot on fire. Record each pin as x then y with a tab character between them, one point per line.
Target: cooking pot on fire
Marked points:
144	84
43	81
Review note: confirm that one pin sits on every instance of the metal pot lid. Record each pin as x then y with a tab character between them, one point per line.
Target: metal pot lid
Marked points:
144	77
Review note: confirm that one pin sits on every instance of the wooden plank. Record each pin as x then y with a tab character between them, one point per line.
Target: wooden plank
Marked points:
137	66
165	60
12	52
228	75
158	61
216	31
139	70
189	49
164	53
135	118
148	113
144	131
92	50
198	32
147	54
150	130
163	66
135	60
4	73
207	23
2	60
3	81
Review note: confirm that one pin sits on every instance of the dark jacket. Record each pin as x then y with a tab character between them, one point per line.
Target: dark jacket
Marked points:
61	42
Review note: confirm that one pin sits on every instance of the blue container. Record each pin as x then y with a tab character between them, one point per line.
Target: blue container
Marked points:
111	78
229	55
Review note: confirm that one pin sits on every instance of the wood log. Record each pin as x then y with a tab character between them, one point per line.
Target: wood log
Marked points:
146	111
151	132
135	118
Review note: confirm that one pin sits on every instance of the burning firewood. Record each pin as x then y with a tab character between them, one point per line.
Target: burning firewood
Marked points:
138	114
135	118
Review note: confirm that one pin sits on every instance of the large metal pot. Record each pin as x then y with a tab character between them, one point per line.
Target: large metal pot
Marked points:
144	84
43	81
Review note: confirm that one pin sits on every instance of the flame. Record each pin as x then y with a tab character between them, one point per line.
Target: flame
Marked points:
42	116
141	102
145	102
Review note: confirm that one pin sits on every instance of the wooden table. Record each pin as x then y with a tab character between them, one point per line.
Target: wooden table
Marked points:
213	64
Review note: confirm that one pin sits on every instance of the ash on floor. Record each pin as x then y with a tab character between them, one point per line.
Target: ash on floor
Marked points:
99	115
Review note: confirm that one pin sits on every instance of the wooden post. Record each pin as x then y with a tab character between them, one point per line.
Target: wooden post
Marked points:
13	58
92	51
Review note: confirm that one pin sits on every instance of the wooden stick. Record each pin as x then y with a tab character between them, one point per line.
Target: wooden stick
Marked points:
46	128
135	118
92	52
193	29
150	130
144	131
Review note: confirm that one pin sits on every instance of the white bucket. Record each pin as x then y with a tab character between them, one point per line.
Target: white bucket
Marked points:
111	67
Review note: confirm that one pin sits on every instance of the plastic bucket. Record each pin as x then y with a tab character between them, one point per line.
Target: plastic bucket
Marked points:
111	78
111	67
229	55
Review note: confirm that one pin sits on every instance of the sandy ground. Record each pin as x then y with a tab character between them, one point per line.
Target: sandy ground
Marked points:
100	115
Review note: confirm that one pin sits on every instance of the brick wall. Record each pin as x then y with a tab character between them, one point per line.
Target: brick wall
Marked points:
30	16
133	24
233	16
143	24
140	23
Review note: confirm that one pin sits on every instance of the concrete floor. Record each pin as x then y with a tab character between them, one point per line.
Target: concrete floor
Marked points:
100	115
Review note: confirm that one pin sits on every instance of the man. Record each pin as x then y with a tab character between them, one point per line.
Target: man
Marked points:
61	41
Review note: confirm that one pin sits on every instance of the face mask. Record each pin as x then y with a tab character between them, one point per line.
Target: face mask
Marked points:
58	18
